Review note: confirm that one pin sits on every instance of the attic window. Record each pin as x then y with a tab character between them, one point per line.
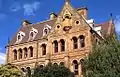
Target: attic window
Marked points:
32	34
45	31
20	36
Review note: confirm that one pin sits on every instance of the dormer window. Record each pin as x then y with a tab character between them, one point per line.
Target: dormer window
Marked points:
32	34
46	29
20	36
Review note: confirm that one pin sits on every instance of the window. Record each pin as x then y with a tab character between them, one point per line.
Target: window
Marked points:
43	49
82	41
31	51
62	63
55	46
75	65
28	72
25	53
62	43
23	70
31	34
20	53
81	65
75	45
15	54
45	31
19	37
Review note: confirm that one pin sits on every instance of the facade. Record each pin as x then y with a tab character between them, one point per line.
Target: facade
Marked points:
65	38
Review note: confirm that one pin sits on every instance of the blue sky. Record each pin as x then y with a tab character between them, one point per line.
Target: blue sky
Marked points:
13	12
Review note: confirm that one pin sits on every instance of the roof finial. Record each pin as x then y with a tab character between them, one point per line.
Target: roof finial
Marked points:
67	0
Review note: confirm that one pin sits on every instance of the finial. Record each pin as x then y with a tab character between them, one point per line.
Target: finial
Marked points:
111	16
67	0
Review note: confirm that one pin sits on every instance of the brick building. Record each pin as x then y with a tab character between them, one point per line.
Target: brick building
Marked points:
65	38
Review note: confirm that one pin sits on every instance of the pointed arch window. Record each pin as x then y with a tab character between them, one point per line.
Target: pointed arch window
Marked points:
55	46
31	51
62	43
75	42
75	67
20	53
15	54
43	49
82	41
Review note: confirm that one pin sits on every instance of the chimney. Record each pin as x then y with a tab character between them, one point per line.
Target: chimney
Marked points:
83	11
25	23
53	16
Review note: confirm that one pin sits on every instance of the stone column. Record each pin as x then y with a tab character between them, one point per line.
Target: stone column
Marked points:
59	47
80	70
66	60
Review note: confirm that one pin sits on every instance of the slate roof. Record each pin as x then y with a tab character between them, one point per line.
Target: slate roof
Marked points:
27	29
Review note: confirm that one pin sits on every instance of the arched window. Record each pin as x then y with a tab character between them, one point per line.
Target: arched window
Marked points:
25	53
61	63
81	65
31	51
62	43
75	67
20	53
15	54
55	64
82	41
23	70
55	46
75	43
43	49
28	72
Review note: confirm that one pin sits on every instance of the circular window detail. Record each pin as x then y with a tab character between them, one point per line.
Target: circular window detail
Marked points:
58	26
77	22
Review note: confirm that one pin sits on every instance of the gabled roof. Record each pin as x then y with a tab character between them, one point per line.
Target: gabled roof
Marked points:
27	29
105	27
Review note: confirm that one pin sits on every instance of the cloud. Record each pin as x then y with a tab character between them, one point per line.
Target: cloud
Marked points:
30	9
117	23
2	58
15	7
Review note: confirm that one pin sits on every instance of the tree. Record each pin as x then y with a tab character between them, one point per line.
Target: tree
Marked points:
104	61
52	71
9	70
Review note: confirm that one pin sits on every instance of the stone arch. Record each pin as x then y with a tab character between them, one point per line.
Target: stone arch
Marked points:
55	63
31	51
28	71
25	52
55	46
75	42
15	54
62	44
20	53
43	49
82	41
75	66
61	63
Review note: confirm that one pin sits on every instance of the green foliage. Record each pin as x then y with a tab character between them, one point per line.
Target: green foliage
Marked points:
53	71
9	70
104	61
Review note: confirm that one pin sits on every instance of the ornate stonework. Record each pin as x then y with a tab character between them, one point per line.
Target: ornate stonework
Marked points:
71	27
